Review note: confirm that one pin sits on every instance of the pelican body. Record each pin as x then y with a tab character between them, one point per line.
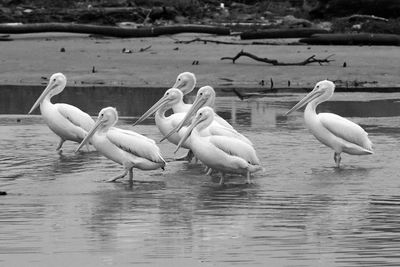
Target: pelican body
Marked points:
338	133
221	153
127	148
186	81
66	121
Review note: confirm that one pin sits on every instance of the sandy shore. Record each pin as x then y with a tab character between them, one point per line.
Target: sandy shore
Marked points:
29	57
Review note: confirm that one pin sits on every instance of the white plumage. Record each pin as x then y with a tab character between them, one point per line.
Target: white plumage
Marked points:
66	121
338	133
127	148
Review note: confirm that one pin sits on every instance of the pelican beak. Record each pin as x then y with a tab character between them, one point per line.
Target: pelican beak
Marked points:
189	130
90	134
153	109
197	104
49	87
308	98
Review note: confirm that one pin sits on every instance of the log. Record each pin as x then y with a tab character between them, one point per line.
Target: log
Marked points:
110	30
281	33
352	39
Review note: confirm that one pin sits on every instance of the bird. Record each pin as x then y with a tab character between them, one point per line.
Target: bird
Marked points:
66	121
186	82
336	132
206	97
171	98
220	153
127	148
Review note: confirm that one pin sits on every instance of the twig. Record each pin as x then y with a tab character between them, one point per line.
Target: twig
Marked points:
144	49
275	62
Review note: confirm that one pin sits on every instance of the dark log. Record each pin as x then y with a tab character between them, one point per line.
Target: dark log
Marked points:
352	39
110	30
281	33
275	62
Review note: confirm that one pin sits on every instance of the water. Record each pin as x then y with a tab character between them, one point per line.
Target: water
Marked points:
300	211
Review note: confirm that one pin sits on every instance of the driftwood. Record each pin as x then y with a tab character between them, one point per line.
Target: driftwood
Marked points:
352	39
275	62
205	41
110	30
281	33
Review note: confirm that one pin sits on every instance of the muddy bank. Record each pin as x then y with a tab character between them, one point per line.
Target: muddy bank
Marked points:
155	62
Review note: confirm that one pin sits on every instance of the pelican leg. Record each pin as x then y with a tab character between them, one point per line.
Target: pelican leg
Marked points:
337	159
60	144
206	169
221	181
130	175
248	177
118	177
209	171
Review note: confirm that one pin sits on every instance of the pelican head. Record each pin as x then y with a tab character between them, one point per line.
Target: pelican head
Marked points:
171	97
57	83
203	119
107	118
186	81
322	91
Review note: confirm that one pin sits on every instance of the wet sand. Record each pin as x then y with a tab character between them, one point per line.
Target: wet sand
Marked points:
29	57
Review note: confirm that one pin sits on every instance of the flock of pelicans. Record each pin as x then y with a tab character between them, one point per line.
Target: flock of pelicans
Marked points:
208	137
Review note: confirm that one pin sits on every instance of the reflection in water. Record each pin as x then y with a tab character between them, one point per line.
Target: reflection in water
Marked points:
300	211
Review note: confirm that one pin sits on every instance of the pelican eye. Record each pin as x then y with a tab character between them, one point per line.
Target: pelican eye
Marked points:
54	79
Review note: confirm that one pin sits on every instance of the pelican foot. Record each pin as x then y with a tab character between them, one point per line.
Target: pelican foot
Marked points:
337	159
118	177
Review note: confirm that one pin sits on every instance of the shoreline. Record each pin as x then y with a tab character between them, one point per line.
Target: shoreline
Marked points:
30	57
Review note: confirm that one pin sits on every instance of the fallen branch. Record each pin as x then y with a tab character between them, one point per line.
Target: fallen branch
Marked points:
275	62
205	41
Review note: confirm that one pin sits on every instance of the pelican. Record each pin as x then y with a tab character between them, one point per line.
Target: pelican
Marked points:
171	98
206	97
221	153
334	131
186	81
66	121
127	148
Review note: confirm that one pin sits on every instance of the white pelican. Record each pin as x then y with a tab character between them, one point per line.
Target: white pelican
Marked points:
129	149
186	81
330	129
171	98
66	121
220	153
206	97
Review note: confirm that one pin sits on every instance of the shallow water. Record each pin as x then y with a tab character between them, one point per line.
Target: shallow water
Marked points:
300	211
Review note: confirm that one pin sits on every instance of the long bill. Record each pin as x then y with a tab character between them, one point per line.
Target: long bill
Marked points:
90	134
42	96
152	110
197	104
187	133
308	98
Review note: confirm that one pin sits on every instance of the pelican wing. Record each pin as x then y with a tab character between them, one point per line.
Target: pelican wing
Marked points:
135	144
134	134
75	116
217	129
345	129
235	147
